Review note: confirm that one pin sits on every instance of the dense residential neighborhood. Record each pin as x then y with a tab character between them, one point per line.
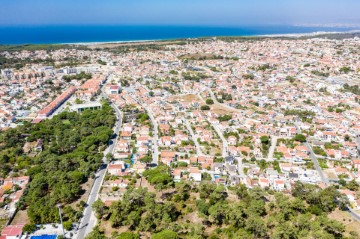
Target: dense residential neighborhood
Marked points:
266	114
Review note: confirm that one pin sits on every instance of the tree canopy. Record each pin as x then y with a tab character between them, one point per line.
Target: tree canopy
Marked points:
72	151
248	213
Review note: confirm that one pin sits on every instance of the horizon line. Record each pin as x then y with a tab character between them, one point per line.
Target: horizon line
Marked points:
286	35
334	25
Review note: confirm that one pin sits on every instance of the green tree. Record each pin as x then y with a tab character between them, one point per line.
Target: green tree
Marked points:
218	213
165	234
353	185
223	118
241	191
29	228
345	69
68	225
218	195
332	227
205	107
146	159
128	235
202	207
78	101
255	225
265	139
300	138
209	102
159	176
96	234
99	208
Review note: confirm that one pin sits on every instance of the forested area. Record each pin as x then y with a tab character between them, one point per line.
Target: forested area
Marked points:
72	151
355	89
80	76
304	115
19	63
186	210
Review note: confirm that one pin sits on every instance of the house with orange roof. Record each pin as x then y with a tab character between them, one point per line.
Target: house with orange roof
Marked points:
342	171
143	140
177	173
278	184
126	135
123	146
195	174
302	149
349	194
50	108
355	164
326	136
165	141
121	183
139	167
12	231
232	140
167	157
115	168
264	182
127	127
164	128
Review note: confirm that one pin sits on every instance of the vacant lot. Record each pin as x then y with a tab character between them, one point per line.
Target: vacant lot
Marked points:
220	109
21	217
2	224
186	98
345	218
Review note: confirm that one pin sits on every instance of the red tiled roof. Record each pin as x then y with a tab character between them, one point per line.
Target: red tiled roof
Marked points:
12	230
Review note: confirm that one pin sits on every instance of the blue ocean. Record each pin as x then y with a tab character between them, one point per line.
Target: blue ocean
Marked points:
87	34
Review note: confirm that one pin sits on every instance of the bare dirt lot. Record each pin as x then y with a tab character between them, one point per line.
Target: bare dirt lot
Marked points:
21	217
186	98
221	110
345	218
216	108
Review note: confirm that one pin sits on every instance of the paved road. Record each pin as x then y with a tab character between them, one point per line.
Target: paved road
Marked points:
240	168
225	152
354	214
194	137
314	159
88	221
272	148
155	144
358	144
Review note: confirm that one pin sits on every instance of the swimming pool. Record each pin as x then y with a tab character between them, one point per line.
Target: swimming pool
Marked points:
44	237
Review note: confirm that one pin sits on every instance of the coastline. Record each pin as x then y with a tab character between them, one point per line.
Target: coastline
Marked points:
311	34
286	35
110	35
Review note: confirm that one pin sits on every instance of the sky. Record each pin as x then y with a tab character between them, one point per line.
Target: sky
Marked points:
179	12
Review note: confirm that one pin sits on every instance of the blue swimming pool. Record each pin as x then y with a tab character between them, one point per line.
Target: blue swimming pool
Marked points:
44	237
133	159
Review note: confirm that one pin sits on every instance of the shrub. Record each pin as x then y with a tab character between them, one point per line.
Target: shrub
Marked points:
209	101
166	234
205	107
29	228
